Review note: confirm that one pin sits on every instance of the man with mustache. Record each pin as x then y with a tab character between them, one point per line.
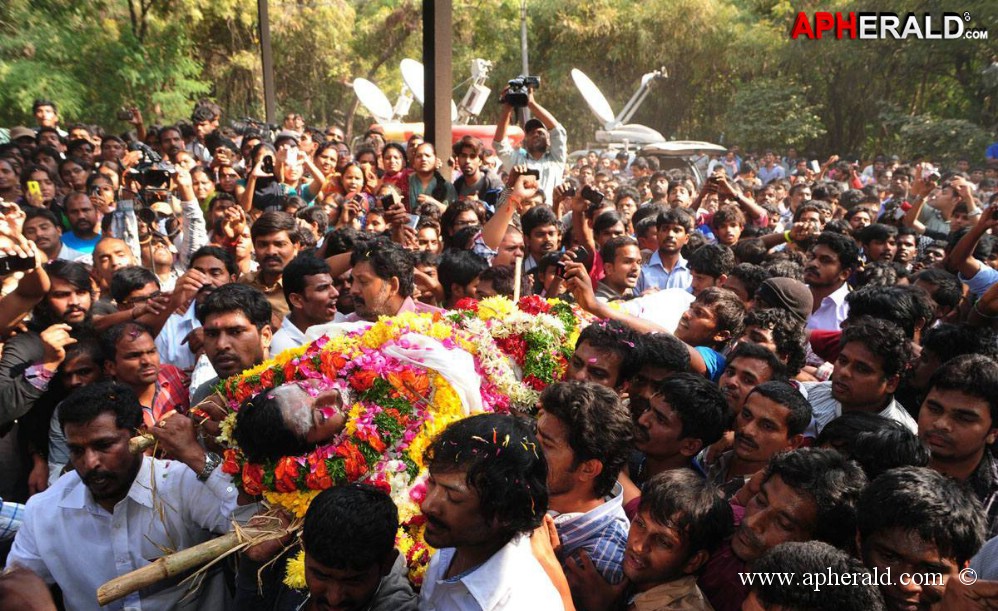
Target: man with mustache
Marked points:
867	371
30	359
275	244
806	494
82	217
831	261
42	227
382	281
544	144
541	234
958	422
486	492
475	179
132	360
771	420
311	298
117	510
622	265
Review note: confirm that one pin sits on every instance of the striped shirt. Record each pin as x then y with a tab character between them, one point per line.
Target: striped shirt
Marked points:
11	515
602	532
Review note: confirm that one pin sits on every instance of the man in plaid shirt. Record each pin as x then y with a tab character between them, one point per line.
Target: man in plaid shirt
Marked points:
585	433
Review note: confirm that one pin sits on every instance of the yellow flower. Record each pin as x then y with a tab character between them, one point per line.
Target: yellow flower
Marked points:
494	307
295	575
352	417
295	502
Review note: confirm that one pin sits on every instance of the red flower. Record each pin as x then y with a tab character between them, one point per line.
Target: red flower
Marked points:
286	475
230	465
534	304
535	382
514	346
319	478
252	479
468	304
353	461
362	379
267	378
290	370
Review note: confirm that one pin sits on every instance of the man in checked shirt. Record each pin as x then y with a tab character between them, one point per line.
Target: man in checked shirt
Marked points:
585	433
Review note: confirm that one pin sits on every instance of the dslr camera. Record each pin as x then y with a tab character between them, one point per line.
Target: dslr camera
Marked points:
518	92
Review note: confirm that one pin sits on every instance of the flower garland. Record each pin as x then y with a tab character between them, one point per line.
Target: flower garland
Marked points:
399	406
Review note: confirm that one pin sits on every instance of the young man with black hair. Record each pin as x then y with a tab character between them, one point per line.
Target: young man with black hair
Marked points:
311	298
237	333
605	354
727	224
812	558
876	443
667	268
475	179
748	366
973	272
879	242
946	292
958	422
102	520
181	339
779	331
622	267
916	521
805	494
459	272
678	524
661	355
875	354
132	360
541	234
30	359
942	343
744	280
350	559
710	266
771	420
275	245
832	260
484	497
585	433
676	419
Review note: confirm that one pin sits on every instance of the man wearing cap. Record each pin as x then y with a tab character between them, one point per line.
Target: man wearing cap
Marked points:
786	294
544	145
23	137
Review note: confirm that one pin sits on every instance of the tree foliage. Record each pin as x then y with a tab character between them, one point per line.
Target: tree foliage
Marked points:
734	72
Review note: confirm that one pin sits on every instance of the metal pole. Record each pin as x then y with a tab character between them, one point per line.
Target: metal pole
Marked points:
438	76
267	58
525	66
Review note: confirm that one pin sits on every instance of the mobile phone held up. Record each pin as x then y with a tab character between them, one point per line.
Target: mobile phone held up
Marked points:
594	197
34	188
10	264
579	255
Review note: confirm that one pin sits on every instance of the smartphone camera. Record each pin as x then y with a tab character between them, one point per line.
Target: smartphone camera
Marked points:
124	115
594	197
579	255
268	164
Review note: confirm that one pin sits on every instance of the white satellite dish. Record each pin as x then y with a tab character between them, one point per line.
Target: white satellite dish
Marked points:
374	100
412	76
594	98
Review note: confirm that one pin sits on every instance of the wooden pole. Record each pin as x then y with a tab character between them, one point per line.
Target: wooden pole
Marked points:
517	278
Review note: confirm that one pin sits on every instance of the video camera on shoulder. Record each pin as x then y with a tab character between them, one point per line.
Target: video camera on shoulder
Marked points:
519	90
153	174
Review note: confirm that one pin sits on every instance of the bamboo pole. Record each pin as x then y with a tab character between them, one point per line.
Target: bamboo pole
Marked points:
166	567
517	278
140	443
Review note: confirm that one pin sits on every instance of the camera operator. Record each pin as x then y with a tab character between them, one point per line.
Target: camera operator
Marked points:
544	143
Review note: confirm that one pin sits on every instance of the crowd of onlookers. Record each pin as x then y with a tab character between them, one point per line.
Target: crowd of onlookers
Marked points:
792	369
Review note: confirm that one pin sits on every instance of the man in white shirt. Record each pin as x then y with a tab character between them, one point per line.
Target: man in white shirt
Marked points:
118	511
874	354
485	494
308	289
180	340
544	145
832	260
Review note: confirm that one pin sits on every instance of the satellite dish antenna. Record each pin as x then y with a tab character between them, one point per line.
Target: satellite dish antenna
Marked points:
412	76
374	100
594	98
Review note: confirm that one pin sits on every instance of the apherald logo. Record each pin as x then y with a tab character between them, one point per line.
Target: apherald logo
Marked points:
872	26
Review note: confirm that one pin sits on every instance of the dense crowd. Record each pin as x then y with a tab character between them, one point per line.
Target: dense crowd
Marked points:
792	366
